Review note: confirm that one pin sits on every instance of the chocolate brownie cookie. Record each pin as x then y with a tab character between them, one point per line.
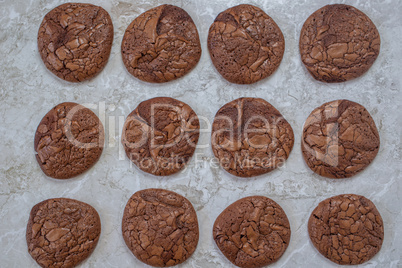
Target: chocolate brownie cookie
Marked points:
68	141
74	40
160	227
245	44
340	139
62	232
250	137
161	45
338	43
347	229
252	232
160	135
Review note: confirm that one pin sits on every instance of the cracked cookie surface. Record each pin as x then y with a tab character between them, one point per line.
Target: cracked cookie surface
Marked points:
338	43
250	137
252	232
347	229
339	139
161	135
74	40
160	227
245	44
68	141
160	45
62	232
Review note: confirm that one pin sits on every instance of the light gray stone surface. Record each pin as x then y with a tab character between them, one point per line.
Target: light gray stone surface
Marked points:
28	91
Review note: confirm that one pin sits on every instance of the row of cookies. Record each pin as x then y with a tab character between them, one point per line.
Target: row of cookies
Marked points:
337	43
249	137
160	228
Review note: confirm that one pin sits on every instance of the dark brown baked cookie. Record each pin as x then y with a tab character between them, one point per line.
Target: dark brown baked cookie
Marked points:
161	45
62	232
160	135
74	40
245	44
68	141
340	139
252	232
250	137
347	229
160	227
338	43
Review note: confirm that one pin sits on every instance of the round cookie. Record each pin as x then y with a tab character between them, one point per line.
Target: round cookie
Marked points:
338	43
160	227
245	44
68	141
74	40
250	137
161	135
252	232
62	232
347	229
161	45
339	139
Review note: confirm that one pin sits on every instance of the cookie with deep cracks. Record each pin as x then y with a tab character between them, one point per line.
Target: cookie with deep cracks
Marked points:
338	43
347	229
161	45
74	40
160	227
340	139
252	232
245	44
68	141
62	232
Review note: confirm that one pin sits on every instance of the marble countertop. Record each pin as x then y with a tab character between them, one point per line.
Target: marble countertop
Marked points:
28	91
